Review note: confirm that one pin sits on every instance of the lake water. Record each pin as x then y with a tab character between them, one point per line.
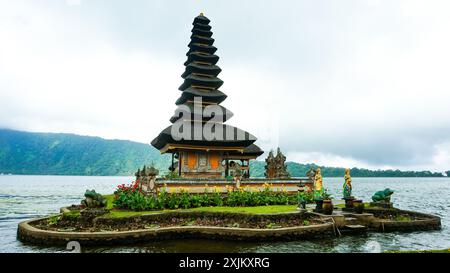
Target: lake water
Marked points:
25	197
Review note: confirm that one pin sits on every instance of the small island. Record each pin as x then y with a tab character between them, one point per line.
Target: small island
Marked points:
209	192
224	213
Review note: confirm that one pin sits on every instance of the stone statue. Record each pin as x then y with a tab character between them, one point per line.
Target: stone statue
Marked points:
281	168
311	174
95	205
275	166
383	196
301	199
270	166
347	188
318	185
93	200
236	172
382	199
280	158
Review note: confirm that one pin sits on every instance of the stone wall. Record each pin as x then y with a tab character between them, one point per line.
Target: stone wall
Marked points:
419	221
222	185
29	234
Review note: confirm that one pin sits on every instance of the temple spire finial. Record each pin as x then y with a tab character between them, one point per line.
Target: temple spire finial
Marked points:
201	14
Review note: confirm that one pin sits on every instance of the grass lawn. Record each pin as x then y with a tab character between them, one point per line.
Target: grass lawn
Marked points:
110	199
256	210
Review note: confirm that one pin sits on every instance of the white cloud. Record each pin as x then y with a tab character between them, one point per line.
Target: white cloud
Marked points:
440	155
73	2
325	159
356	84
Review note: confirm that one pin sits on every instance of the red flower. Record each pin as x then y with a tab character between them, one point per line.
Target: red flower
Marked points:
134	185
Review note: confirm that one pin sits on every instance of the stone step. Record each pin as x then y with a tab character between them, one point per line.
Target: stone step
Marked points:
351	221
355	227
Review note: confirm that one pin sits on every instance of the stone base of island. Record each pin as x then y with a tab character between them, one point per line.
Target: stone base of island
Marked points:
151	209
252	224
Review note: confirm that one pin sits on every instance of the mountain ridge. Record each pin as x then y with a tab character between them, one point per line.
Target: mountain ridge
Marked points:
71	154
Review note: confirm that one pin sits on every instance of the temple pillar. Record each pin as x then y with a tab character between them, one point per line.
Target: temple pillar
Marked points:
180	159
248	169
172	169
226	167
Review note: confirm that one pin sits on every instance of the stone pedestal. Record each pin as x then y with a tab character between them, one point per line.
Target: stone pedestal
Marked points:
381	204
349	202
358	206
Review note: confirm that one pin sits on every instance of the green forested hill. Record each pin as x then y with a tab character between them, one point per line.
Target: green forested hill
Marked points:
69	154
299	170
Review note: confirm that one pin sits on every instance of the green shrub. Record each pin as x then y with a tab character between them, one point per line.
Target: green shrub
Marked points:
134	200
53	220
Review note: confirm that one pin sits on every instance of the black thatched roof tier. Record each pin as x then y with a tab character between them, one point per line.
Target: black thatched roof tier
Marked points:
188	112
215	96
201	39
202	26
252	150
202	48
200	32
196	80
236	137
205	58
212	70
201	19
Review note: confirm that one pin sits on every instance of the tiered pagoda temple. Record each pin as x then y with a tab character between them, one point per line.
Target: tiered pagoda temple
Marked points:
195	154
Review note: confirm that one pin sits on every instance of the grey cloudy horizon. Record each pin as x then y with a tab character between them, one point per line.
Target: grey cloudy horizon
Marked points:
356	83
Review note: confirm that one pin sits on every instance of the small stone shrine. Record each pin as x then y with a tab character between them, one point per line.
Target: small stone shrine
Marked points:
275	166
147	179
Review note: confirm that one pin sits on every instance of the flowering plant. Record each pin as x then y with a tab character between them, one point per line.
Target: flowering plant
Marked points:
131	188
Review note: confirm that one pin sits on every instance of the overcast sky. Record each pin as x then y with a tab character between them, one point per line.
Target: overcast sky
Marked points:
362	83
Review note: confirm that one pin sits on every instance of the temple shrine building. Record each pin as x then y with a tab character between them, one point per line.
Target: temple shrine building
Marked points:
197	155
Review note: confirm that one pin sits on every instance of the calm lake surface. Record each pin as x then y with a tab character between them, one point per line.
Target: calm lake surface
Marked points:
25	197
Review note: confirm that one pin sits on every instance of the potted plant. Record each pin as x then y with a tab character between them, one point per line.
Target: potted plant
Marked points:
327	205
358	205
